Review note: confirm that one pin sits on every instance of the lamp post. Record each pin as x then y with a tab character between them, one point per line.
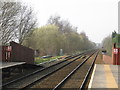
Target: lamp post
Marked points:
119	17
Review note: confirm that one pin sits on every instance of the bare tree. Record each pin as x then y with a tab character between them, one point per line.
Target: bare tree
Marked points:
16	21
64	25
25	23
8	13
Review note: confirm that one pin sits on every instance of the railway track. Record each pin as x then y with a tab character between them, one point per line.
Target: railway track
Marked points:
57	79
77	80
35	76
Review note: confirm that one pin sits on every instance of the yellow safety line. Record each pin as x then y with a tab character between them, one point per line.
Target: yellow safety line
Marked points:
91	80
111	82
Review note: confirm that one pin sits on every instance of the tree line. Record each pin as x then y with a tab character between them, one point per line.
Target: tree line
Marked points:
17	23
107	44
58	34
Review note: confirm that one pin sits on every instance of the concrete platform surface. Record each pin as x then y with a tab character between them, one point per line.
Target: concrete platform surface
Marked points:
10	64
105	76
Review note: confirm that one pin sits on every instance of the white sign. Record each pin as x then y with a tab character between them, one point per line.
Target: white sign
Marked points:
115	51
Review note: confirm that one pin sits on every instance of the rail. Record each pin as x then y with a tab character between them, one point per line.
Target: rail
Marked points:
68	76
88	73
17	80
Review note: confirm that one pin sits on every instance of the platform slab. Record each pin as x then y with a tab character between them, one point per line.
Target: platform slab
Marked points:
10	64
105	76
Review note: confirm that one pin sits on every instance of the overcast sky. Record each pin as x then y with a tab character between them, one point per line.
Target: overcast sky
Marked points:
97	18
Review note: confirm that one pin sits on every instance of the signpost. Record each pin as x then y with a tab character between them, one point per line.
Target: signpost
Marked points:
61	52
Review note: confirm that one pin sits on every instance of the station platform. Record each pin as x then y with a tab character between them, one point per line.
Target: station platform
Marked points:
105	76
10	64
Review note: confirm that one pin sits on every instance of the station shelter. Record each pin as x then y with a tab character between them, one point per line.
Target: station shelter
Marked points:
115	48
